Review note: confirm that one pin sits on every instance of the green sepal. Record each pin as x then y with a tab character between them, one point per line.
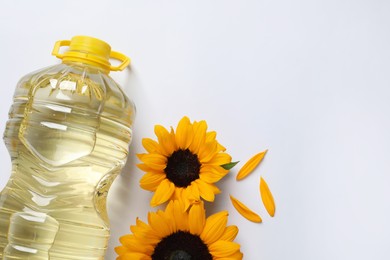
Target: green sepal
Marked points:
229	166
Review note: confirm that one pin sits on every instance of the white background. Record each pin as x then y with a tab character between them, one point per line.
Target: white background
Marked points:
309	80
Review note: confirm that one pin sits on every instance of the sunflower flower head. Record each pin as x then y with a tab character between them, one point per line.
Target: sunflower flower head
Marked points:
176	233
184	164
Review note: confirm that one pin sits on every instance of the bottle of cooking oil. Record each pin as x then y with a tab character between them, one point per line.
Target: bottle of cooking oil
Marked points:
68	134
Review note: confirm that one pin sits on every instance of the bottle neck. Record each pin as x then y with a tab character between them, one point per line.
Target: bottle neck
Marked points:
85	63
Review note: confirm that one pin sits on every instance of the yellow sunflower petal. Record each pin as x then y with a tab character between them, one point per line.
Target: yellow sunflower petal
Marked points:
200	129
126	240
154	161
214	227
145	235
159	224
165	140
221	147
189	194
144	167
230	233
178	194
207	152
142	224
150	145
187	203
133	244
140	155
180	216
163	193
210	136
120	250
250	165
197	218
223	248
267	198
212	173
184	133
194	190
167	217
150	181
216	190
205	190
173	139
220	159
133	256
245	211
236	256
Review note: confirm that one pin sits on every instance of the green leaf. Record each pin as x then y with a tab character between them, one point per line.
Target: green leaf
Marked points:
229	166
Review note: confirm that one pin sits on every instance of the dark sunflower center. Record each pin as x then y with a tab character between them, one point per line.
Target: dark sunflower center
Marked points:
180	255
181	246
182	168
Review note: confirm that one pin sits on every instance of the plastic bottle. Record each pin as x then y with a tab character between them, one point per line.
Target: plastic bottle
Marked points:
68	134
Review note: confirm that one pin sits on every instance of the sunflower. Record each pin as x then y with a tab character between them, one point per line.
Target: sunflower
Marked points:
184	164
176	234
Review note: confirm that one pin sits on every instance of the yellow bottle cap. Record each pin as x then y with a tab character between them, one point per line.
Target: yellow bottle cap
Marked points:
91	51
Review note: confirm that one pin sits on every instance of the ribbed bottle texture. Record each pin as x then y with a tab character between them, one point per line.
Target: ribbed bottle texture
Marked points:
30	236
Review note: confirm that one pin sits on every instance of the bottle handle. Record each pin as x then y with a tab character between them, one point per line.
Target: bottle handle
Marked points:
125	61
57	47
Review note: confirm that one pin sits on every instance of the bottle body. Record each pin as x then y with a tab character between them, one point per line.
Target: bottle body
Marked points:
68	134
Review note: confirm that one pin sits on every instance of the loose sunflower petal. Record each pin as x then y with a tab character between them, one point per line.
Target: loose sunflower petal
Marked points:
163	193
245	211
214	227
267	198
250	165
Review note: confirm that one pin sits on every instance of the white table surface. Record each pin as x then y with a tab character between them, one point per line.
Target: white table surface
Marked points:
309	80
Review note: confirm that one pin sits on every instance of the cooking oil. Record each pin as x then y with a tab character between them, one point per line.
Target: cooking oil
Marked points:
68	134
